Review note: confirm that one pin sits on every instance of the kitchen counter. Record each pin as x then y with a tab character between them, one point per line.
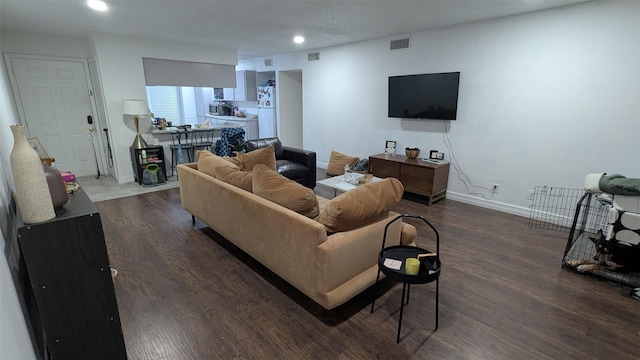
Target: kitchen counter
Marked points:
175	130
229	118
250	125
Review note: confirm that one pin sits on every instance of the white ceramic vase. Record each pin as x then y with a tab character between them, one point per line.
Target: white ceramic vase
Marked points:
31	188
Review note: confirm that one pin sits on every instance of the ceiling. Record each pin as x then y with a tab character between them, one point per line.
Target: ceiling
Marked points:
258	28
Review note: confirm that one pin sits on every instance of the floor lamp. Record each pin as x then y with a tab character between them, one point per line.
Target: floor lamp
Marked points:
136	108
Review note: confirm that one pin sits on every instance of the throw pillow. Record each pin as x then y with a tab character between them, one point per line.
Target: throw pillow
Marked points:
234	176
276	188
232	159
337	161
202	153
265	155
365	204
208	162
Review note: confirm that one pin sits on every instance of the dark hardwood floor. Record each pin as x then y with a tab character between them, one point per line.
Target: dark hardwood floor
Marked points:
185	293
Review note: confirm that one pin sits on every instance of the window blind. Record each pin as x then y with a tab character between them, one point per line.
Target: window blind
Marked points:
188	73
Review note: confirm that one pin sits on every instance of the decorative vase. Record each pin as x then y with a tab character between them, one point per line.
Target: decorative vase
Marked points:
31	188
59	195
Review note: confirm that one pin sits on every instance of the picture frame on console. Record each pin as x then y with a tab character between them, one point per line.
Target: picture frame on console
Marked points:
390	147
436	155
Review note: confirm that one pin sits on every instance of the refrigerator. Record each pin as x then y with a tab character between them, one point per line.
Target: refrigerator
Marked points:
266	112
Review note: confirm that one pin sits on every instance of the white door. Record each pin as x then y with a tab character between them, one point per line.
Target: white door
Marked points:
54	102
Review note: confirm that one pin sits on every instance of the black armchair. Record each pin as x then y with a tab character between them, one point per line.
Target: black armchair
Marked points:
295	164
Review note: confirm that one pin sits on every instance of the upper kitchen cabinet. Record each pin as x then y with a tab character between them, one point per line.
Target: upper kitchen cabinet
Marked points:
223	94
246	86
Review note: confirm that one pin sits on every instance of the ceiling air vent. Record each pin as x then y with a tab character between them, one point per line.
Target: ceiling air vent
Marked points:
268	62
399	44
313	56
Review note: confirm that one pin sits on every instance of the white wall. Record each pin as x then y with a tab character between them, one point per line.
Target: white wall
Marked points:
290	108
122	77
545	98
121	71
14	338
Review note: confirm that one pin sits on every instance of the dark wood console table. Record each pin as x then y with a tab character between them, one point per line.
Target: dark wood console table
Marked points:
66	284
417	176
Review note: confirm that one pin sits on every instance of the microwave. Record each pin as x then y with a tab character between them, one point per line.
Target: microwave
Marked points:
220	109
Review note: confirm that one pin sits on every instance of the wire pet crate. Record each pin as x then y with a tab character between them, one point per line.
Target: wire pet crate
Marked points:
553	208
580	214
590	216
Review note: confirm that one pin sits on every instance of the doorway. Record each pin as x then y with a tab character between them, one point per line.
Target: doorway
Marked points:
290	108
54	101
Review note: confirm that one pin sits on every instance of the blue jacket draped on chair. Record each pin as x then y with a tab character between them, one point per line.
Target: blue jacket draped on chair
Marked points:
228	137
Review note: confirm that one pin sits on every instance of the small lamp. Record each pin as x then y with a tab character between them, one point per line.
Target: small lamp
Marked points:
136	108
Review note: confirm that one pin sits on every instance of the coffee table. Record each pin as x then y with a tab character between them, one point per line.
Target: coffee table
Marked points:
339	182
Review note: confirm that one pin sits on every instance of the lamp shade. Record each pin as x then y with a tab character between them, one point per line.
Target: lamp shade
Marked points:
134	107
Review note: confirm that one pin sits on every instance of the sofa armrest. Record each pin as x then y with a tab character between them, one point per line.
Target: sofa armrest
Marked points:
304	157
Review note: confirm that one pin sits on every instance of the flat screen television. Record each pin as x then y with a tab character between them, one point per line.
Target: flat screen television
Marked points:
424	96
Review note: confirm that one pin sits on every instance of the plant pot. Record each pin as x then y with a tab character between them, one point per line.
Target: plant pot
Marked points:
412	153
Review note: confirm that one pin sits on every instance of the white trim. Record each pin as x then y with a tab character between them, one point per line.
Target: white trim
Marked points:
8	57
488	204
472	200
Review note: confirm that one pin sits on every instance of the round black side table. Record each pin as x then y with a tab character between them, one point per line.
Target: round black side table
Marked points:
429	270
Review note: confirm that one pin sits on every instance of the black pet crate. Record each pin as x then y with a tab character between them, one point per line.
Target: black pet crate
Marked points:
591	215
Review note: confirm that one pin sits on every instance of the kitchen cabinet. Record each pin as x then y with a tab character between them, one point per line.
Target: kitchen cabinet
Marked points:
246	86
227	94
416	176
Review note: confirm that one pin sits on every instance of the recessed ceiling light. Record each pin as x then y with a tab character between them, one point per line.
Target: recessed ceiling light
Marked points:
298	39
97	5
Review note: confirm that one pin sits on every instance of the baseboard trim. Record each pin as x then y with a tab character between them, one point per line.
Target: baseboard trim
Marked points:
472	200
126	179
490	204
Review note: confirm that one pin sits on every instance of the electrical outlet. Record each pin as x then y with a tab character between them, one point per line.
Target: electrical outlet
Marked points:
495	188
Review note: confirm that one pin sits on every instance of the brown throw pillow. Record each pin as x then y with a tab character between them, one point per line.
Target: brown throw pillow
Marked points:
337	161
208	162
234	176
265	155
203	153
363	205
274	187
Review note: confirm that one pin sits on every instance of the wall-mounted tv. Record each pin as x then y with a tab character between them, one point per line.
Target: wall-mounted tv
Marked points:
424	96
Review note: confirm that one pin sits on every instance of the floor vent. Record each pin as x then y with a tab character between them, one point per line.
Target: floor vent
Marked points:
399	44
313	56
268	62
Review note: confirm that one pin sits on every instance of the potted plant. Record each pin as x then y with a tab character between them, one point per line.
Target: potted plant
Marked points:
237	147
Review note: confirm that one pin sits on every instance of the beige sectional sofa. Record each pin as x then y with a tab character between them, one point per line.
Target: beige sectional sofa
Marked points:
330	268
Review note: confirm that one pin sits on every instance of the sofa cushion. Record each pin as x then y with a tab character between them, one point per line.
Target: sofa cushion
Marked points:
234	176
337	161
274	187
265	156
363	205
208	162
251	145
291	170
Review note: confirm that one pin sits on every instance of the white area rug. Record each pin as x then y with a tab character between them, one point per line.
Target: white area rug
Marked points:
107	188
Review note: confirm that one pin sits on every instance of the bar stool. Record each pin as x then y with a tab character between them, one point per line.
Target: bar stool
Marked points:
202	140
178	147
